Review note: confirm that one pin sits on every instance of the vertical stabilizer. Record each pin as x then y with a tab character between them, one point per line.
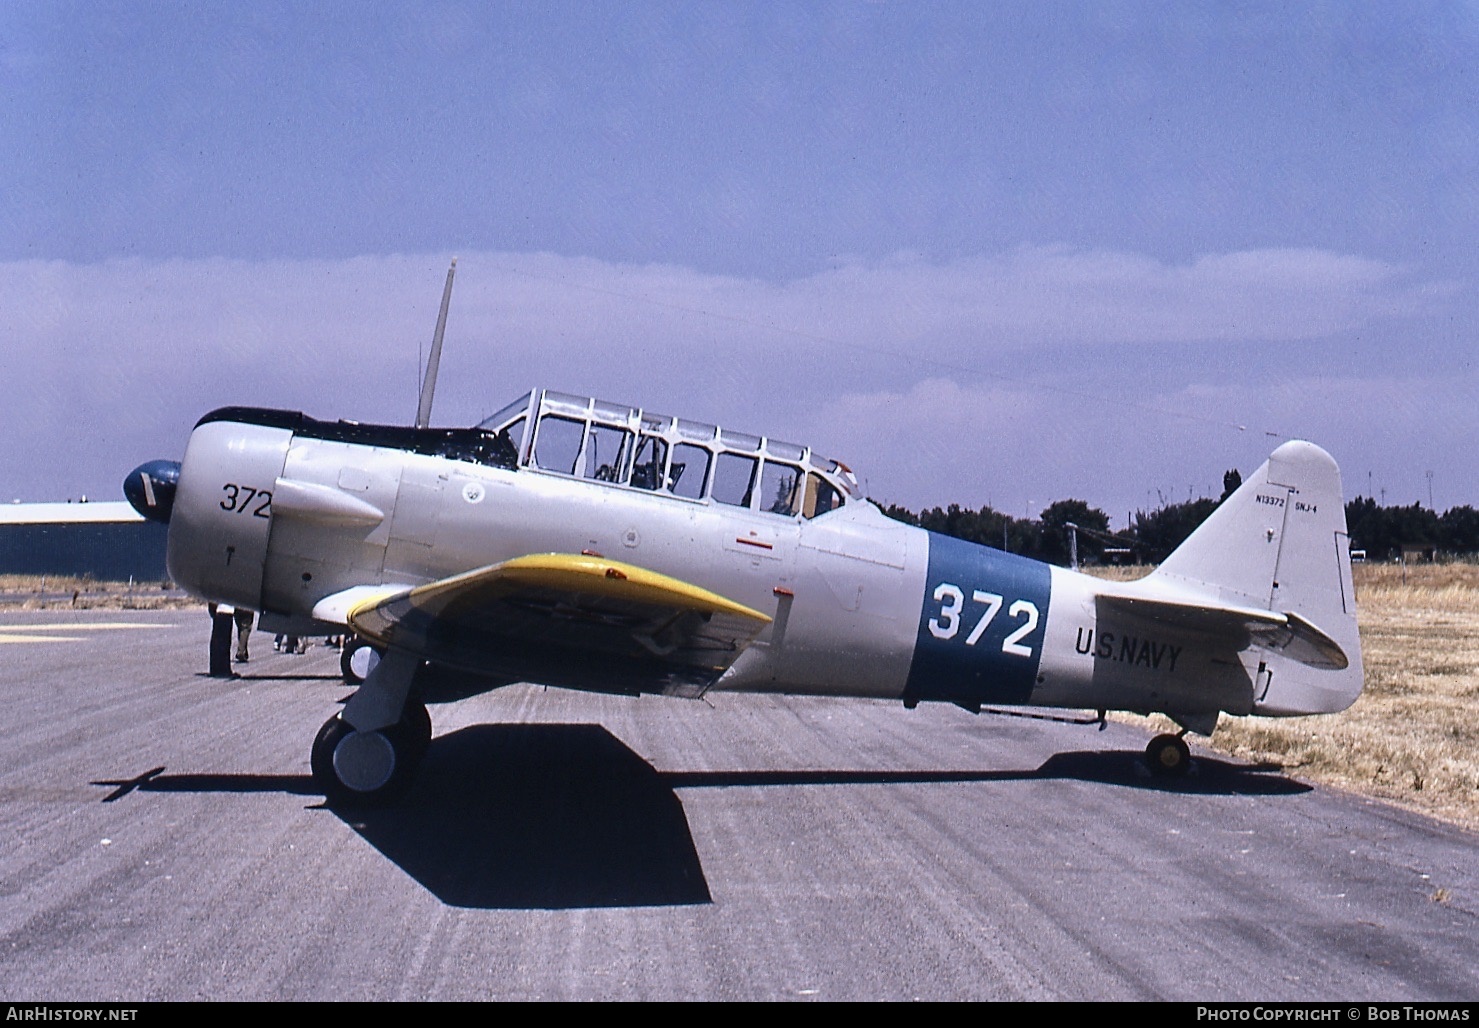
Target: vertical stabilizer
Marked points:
1279	543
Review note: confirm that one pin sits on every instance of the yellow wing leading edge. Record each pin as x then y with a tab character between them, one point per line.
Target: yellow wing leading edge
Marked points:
565	619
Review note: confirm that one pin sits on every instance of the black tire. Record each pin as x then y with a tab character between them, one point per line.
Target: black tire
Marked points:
354	653
405	749
321	759
1168	756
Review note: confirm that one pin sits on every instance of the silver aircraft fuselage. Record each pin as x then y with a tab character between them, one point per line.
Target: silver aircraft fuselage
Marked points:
279	513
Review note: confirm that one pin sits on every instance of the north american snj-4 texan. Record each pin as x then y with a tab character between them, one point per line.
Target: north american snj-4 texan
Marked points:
577	543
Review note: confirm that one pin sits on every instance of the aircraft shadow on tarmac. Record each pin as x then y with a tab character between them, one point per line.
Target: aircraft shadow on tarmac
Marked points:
539	816
532	816
514	816
244	676
1208	776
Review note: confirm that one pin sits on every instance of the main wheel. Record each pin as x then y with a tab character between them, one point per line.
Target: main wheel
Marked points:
358	659
1168	756
358	768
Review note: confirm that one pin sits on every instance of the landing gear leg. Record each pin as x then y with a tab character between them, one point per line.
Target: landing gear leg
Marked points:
1168	756
370	751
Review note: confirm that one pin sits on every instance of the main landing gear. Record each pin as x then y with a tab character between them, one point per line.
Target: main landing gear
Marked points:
1168	756
358	659
367	753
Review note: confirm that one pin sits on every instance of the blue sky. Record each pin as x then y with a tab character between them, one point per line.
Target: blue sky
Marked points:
1000	253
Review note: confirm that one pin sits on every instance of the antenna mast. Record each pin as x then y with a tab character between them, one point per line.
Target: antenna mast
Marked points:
429	384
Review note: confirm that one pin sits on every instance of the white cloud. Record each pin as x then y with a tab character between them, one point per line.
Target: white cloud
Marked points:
1018	448
941	380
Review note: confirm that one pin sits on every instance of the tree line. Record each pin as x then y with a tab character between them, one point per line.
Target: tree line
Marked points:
1382	532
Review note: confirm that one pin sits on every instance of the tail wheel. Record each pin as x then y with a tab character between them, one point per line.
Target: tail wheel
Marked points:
360	768
1168	756
358	659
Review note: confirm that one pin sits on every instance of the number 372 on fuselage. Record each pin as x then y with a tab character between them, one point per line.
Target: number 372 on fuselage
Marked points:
590	545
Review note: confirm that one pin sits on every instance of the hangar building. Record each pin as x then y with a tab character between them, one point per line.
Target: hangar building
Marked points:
108	541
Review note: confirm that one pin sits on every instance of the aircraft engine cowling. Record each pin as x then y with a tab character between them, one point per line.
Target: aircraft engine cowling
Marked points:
222	511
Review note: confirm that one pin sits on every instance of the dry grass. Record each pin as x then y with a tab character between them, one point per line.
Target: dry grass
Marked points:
1413	736
1127	573
68	592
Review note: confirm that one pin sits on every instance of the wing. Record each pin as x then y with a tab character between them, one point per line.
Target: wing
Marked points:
559	619
1287	634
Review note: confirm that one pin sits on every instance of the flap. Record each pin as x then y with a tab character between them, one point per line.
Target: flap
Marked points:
560	619
1287	634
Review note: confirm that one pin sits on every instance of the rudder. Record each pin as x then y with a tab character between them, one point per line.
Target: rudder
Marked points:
1279	543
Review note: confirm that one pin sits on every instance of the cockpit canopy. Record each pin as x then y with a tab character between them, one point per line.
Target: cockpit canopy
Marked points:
607	442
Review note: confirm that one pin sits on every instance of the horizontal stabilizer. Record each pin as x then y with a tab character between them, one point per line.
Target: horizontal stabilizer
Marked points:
1287	634
1276	553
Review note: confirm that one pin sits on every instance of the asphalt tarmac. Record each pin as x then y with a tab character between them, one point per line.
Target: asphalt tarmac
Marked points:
161	839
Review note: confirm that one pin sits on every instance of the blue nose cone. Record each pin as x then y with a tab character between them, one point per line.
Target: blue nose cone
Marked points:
150	488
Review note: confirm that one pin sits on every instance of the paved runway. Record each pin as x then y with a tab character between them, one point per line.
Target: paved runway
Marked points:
160	838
